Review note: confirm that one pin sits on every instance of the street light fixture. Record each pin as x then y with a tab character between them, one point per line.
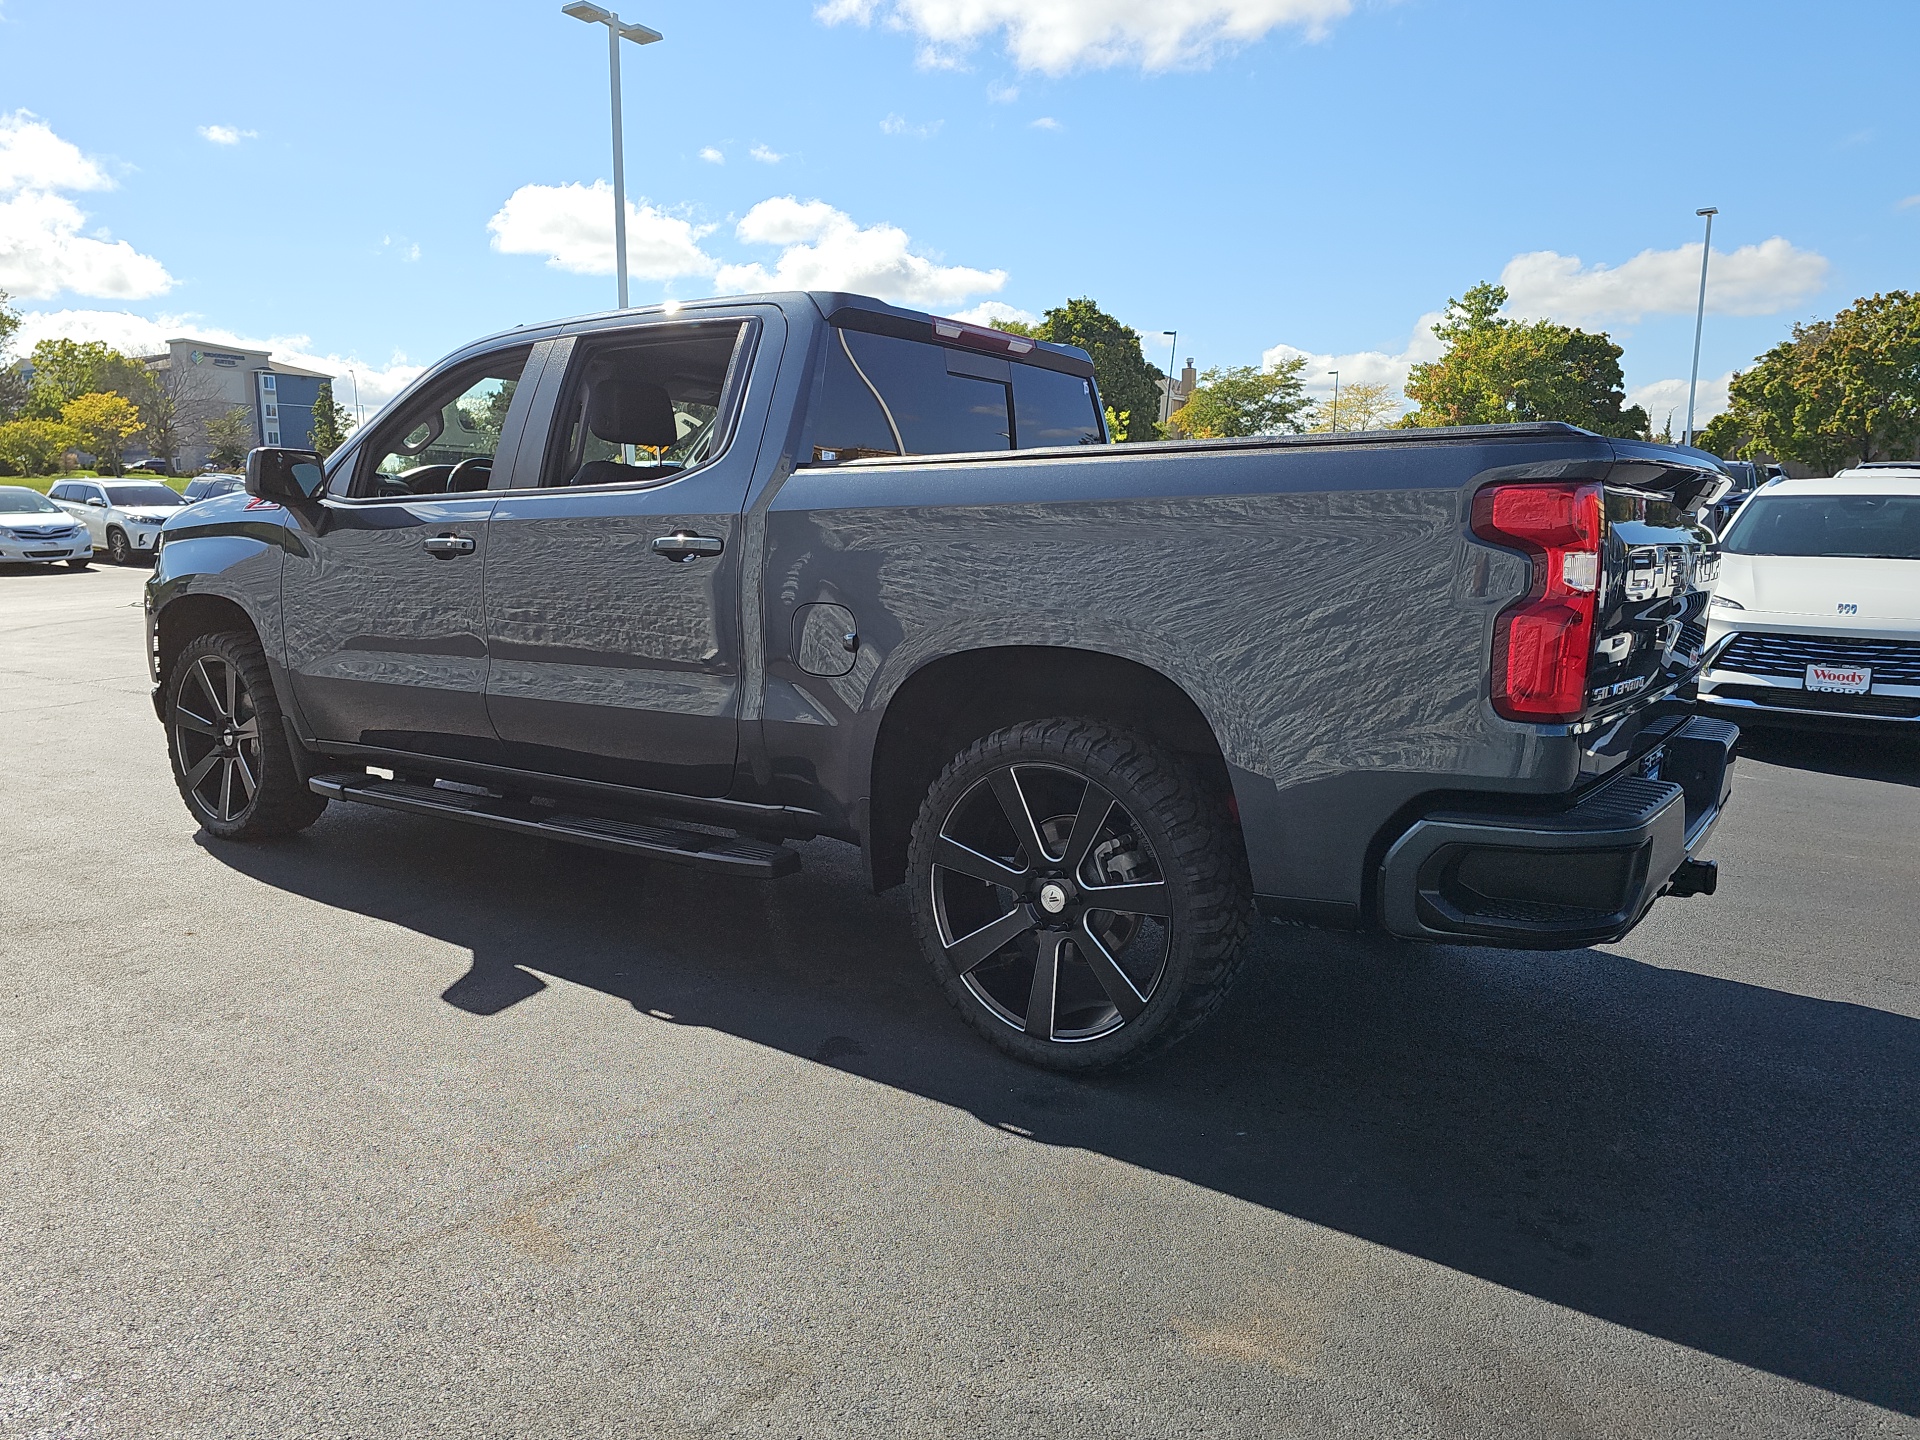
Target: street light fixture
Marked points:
1699	318
617	29
1333	424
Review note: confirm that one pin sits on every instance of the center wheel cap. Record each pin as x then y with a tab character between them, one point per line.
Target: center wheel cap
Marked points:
1053	898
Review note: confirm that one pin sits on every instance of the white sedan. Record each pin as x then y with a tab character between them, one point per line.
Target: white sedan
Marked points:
1817	610
35	531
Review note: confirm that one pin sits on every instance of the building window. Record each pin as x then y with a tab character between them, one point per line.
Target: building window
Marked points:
266	382
273	411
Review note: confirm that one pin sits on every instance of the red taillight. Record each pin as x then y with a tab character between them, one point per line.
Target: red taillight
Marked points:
1542	644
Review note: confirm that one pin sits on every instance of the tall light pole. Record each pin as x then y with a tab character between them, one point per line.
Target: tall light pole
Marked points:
1333	425
640	35
1173	349
1699	317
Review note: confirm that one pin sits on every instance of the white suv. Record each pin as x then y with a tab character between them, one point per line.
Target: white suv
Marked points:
123	516
1817	610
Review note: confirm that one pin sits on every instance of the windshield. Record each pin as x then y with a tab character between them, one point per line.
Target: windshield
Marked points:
144	496
17	501
1849	526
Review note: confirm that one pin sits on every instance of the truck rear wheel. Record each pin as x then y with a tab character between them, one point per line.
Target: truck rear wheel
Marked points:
227	744
1081	893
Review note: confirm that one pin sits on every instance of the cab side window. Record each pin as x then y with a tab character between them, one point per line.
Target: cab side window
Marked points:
646	407
445	440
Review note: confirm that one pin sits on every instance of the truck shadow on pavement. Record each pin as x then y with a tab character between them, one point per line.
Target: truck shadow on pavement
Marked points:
1727	1167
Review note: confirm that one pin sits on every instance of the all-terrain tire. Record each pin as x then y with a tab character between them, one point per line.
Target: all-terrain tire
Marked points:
1193	845
228	747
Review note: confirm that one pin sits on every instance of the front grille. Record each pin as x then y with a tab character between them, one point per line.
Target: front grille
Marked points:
1693	639
1892	707
1893	662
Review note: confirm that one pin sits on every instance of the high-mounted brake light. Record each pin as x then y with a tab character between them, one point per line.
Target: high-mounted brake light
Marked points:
1543	643
994	342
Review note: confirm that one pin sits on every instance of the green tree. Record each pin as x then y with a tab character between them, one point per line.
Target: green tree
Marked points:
1245	400
1498	371
331	422
65	370
1839	390
230	437
35	447
1127	382
14	389
9	323
104	423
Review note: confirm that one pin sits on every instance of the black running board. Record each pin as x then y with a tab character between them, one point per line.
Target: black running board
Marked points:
700	849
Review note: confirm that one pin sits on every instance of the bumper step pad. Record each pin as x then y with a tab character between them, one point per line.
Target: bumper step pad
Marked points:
677	845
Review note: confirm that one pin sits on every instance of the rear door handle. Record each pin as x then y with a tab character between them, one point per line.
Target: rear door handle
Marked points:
445	547
684	545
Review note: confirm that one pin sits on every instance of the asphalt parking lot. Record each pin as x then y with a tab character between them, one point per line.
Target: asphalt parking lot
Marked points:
404	1129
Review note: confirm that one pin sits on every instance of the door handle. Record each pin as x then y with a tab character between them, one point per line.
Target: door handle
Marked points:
445	547
684	545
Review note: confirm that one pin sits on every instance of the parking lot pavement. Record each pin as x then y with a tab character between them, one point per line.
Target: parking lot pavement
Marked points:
398	1128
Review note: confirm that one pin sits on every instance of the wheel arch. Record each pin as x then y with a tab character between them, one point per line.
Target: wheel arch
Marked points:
948	703
185	618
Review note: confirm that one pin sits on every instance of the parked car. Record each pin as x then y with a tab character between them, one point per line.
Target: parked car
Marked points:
150	467
1747	476
35	531
122	516
690	586
205	487
1817	613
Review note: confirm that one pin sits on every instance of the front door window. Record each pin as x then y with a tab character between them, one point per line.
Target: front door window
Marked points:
445	441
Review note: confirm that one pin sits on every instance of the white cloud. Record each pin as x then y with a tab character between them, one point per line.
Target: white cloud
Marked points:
1761	279
1663	398
712	156
766	155
1046	122
32	157
407	250
42	248
1002	94
226	134
1055	36
824	249
1908	203
992	312
572	225
897	125
1372	367
137	335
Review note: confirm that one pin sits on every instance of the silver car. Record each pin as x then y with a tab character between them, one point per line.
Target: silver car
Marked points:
35	531
123	517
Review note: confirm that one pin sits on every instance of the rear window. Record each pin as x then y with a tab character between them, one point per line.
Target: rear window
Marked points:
1846	526
144	496
881	395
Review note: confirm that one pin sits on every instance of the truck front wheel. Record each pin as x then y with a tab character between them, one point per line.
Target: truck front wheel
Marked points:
1081	893
227	744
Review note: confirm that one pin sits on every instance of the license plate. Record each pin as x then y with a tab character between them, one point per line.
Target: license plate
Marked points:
1840	679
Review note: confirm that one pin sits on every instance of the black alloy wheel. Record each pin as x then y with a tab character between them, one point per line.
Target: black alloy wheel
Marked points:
216	734
1079	892
118	550
231	756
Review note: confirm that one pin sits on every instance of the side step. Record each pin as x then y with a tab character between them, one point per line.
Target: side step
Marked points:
700	849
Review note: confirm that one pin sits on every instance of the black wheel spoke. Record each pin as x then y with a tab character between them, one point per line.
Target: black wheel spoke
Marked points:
200	772
207	687
248	729
1095	805
247	780
970	949
185	719
1013	804
1149	897
1121	990
226	791
952	855
1043	995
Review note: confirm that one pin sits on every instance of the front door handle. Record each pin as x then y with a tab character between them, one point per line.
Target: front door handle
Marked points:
684	545
445	547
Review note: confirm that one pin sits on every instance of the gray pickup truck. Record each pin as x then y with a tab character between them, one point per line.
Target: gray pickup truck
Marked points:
696	583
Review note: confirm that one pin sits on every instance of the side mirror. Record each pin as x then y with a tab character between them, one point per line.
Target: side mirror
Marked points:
97	501
286	477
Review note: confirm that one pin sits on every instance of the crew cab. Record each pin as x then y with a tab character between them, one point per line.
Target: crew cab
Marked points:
697	583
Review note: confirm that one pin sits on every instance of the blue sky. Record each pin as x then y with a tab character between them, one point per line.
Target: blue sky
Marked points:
380	182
